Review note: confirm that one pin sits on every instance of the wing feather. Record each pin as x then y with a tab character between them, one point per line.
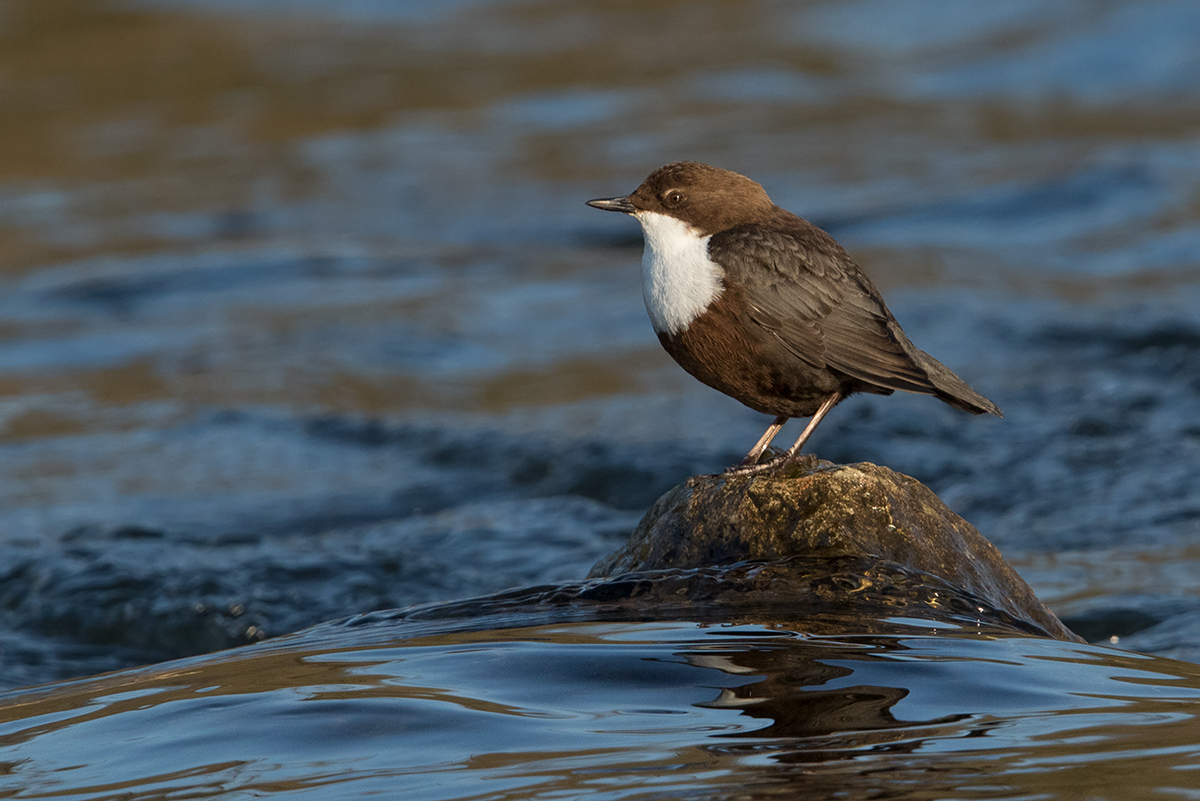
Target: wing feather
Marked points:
809	293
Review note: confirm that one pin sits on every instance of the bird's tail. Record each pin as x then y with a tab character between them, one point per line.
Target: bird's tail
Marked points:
952	389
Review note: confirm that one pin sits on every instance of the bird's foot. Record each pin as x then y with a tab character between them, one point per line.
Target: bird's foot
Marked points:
740	470
770	467
736	471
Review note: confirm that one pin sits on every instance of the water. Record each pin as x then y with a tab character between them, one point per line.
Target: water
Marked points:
302	314
619	710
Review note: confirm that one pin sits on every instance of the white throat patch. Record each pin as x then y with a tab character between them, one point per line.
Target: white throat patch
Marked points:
679	281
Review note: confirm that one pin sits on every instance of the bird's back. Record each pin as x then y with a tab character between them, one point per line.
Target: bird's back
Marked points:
809	294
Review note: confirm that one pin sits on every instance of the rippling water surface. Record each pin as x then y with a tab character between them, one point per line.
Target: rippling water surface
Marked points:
302	314
619	710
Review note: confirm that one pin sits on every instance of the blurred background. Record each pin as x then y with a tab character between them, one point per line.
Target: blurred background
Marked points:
302	313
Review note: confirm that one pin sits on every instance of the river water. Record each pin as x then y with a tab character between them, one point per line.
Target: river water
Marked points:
302	314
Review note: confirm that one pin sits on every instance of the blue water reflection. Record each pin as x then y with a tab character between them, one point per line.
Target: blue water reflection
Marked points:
606	710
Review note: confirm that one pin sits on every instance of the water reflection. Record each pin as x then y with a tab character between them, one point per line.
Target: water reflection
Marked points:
789	700
613	708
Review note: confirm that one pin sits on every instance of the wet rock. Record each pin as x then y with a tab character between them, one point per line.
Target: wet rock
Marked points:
822	596
819	509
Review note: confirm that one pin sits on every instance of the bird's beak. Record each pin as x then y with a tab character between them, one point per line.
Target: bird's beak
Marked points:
622	204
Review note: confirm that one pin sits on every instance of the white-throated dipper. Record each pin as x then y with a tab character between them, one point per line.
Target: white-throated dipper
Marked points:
768	308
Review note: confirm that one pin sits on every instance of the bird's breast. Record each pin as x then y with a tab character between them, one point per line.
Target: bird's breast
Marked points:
679	280
724	348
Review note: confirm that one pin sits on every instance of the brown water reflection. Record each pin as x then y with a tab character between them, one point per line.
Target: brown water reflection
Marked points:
120	117
669	708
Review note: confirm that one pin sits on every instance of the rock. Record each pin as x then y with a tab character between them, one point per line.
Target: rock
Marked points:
819	509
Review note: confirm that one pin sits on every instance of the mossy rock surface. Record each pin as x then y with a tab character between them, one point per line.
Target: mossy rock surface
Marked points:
819	509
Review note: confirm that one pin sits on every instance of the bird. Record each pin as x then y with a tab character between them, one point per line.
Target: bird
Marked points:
767	308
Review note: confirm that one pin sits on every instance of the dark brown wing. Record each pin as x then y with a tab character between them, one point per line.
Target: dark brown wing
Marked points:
810	294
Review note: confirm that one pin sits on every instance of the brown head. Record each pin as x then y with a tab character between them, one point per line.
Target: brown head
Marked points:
708	199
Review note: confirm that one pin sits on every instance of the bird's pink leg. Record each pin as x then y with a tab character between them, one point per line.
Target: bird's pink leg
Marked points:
791	453
765	440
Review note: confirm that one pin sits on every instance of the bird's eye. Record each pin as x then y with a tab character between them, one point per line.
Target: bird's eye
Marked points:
674	197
